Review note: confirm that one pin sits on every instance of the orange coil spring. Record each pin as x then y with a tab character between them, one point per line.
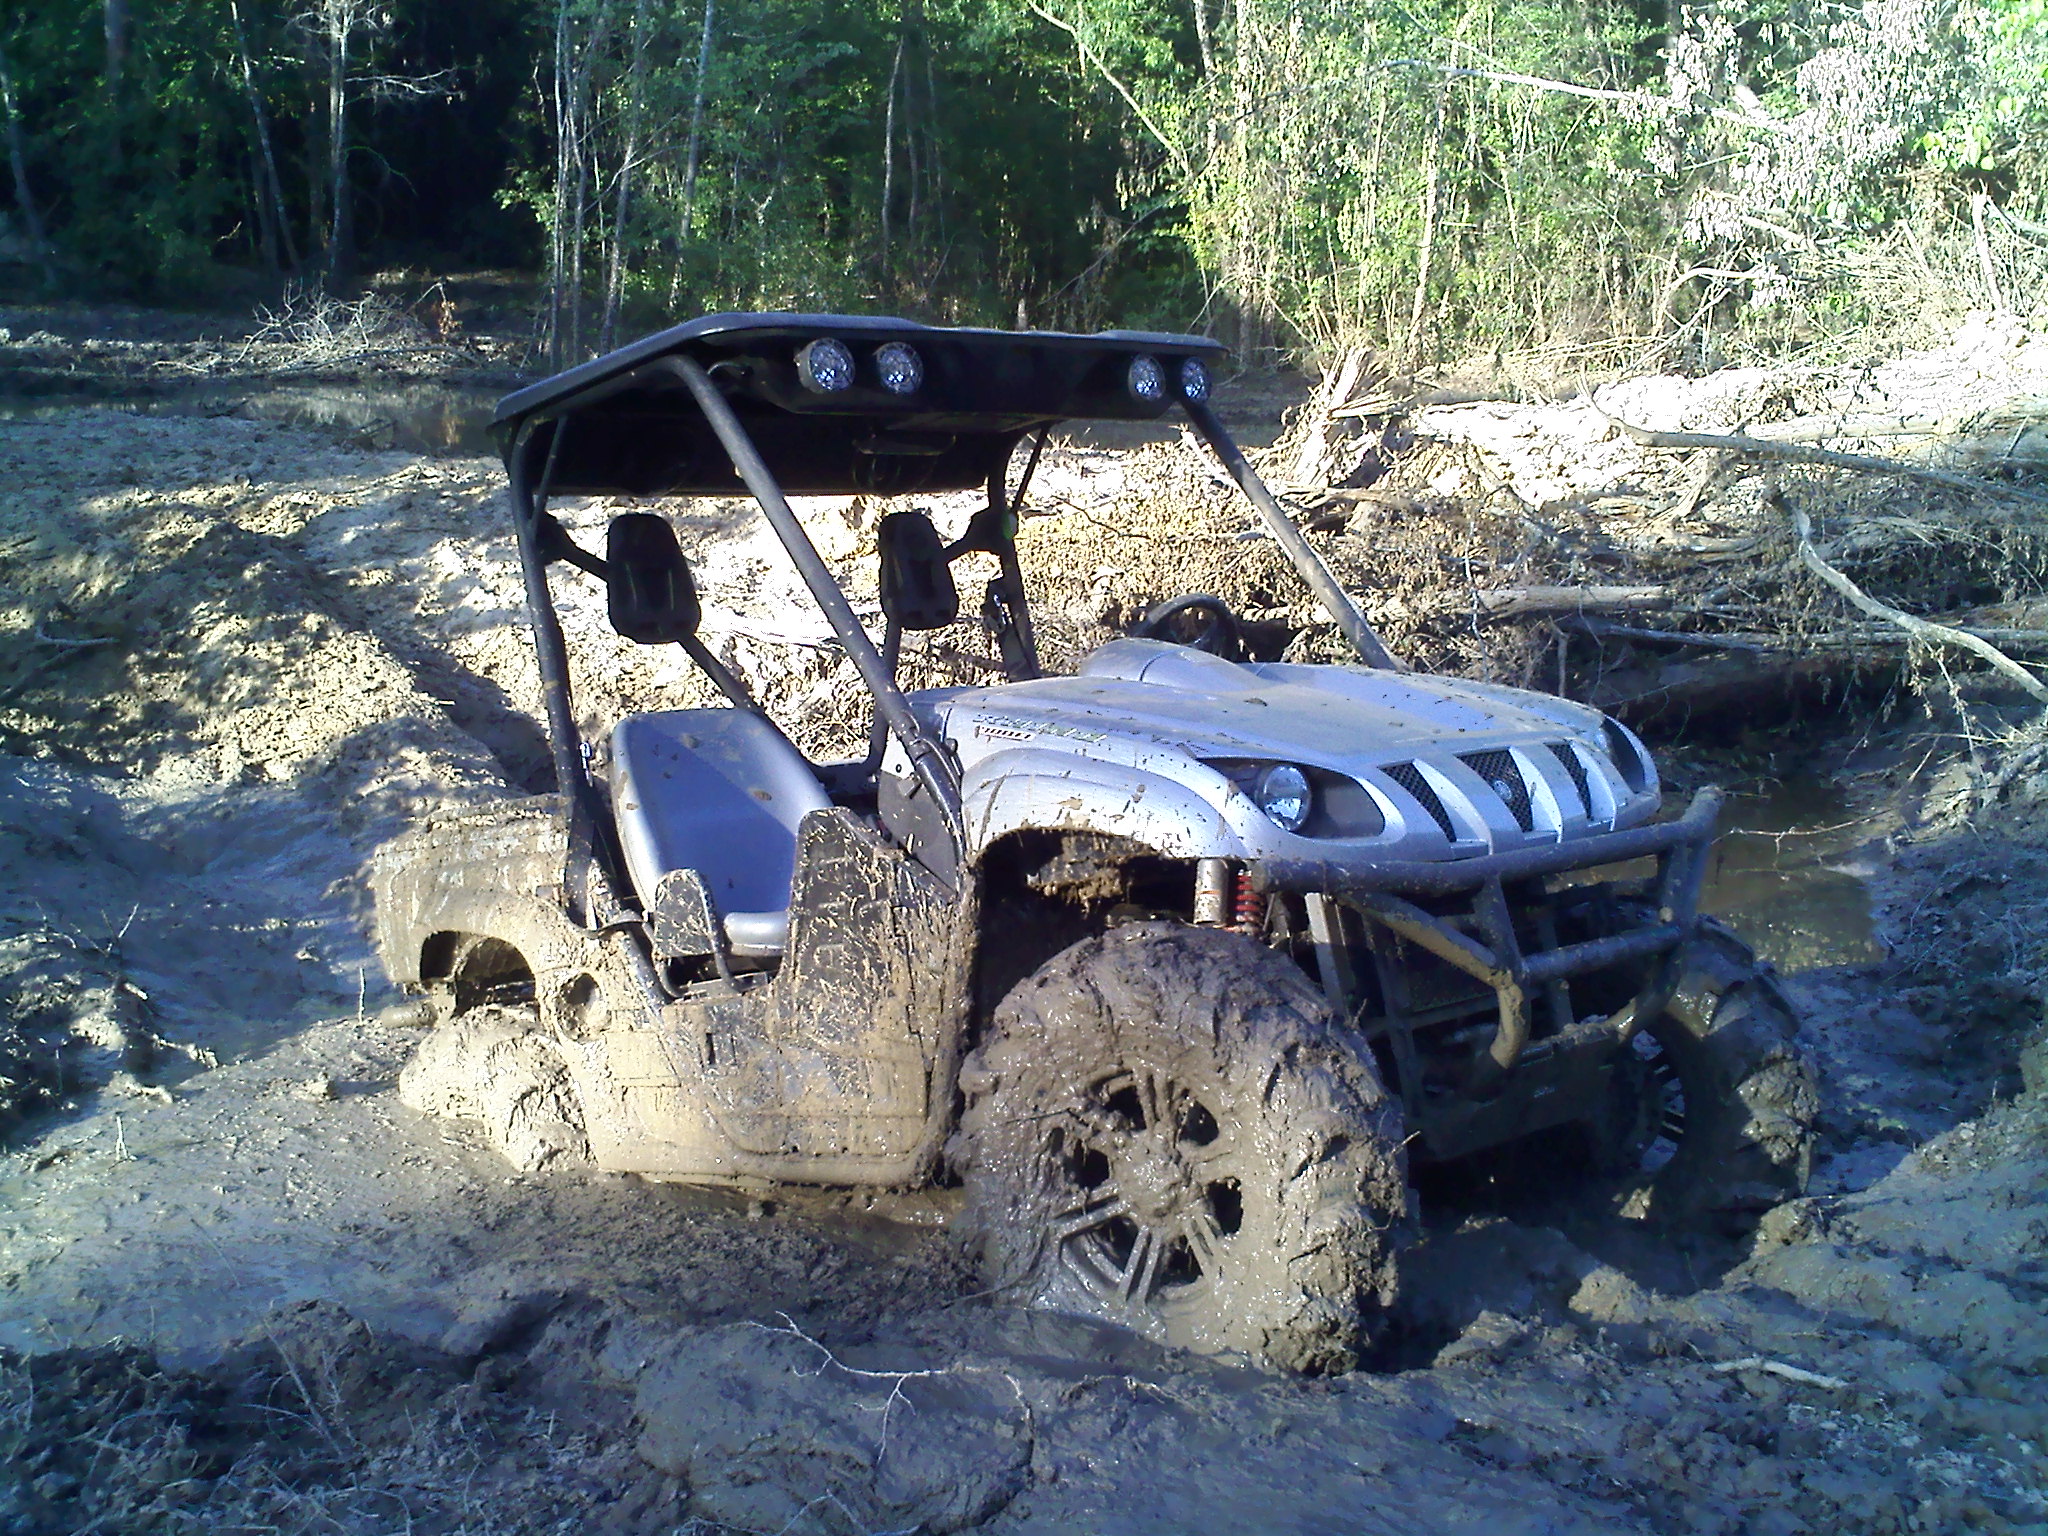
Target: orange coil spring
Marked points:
1247	902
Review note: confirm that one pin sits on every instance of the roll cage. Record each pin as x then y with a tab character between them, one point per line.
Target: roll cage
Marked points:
732	403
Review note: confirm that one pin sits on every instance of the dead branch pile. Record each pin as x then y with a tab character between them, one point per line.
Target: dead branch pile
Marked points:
1760	519
310	329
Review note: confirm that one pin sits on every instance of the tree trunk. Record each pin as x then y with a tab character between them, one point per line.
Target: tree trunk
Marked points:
280	226
1242	250
24	199
573	66
889	154
913	155
1208	53
935	154
115	14
339	19
558	252
1432	183
614	279
691	156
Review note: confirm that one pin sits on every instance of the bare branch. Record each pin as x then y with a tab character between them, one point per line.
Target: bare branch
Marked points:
441	85
1940	634
1092	58
1799	453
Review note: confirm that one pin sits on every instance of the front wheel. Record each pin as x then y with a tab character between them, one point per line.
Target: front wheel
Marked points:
1166	1129
1714	1108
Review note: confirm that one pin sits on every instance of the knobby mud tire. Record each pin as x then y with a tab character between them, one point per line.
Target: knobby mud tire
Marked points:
1745	1099
495	1067
1166	1129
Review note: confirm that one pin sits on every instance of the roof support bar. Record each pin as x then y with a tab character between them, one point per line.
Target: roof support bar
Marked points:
927	757
1300	554
590	833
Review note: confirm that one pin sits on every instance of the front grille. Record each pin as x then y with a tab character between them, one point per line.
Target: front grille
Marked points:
1410	778
1564	754
1433	984
1504	776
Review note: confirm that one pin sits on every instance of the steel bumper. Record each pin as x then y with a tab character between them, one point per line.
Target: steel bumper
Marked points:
1484	945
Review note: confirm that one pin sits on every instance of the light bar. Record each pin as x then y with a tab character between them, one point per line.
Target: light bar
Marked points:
899	367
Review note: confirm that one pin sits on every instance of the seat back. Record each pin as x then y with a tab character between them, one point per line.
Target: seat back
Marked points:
722	792
917	580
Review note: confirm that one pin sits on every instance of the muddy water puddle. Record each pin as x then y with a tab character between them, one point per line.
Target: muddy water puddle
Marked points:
438	419
1791	874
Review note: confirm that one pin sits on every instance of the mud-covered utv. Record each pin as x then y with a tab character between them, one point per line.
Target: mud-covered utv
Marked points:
1177	964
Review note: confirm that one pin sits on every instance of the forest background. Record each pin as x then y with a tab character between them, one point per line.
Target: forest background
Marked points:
1656	179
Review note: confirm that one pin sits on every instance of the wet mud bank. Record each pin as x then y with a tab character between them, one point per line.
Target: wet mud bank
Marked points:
243	1285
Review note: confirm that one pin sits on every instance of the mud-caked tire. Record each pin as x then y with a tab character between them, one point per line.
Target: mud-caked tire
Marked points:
495	1066
1165	1128
1717	1097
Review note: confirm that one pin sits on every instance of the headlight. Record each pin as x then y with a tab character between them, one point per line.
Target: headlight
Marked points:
1194	379
1282	792
825	366
900	368
1146	379
1629	757
1314	802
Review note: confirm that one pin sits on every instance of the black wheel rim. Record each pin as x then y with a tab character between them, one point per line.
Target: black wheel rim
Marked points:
1663	1108
1149	1211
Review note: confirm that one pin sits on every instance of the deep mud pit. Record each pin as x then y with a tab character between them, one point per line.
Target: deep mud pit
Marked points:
1792	871
243	1287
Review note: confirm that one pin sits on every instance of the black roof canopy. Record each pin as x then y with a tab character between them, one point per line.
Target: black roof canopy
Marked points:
627	424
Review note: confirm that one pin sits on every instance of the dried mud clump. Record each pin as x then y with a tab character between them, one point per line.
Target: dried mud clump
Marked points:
314	1423
70	1019
63	1029
492	1066
766	1426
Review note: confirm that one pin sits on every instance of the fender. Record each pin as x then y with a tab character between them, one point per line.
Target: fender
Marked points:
496	872
1029	789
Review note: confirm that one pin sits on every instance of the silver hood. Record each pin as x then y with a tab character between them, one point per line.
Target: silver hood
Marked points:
1454	767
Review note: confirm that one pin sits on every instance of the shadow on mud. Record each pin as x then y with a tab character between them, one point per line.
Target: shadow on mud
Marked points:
146	667
437	419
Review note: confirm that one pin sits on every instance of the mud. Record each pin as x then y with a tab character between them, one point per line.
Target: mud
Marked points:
244	1285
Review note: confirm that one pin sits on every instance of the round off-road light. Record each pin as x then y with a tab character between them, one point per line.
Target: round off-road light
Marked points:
1146	379
1282	792
825	366
1194	379
899	367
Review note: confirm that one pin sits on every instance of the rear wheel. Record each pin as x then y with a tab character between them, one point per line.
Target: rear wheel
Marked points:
1166	1129
495	1066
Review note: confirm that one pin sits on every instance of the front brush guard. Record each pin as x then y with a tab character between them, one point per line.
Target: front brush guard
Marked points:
1380	893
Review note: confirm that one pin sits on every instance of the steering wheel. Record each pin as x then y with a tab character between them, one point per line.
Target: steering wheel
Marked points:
1199	622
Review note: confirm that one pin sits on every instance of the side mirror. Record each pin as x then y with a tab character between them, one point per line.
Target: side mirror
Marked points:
648	588
917	579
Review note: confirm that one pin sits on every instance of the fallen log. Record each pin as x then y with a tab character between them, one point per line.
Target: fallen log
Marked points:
1799	453
1510	602
1602	629
1861	427
1742	685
